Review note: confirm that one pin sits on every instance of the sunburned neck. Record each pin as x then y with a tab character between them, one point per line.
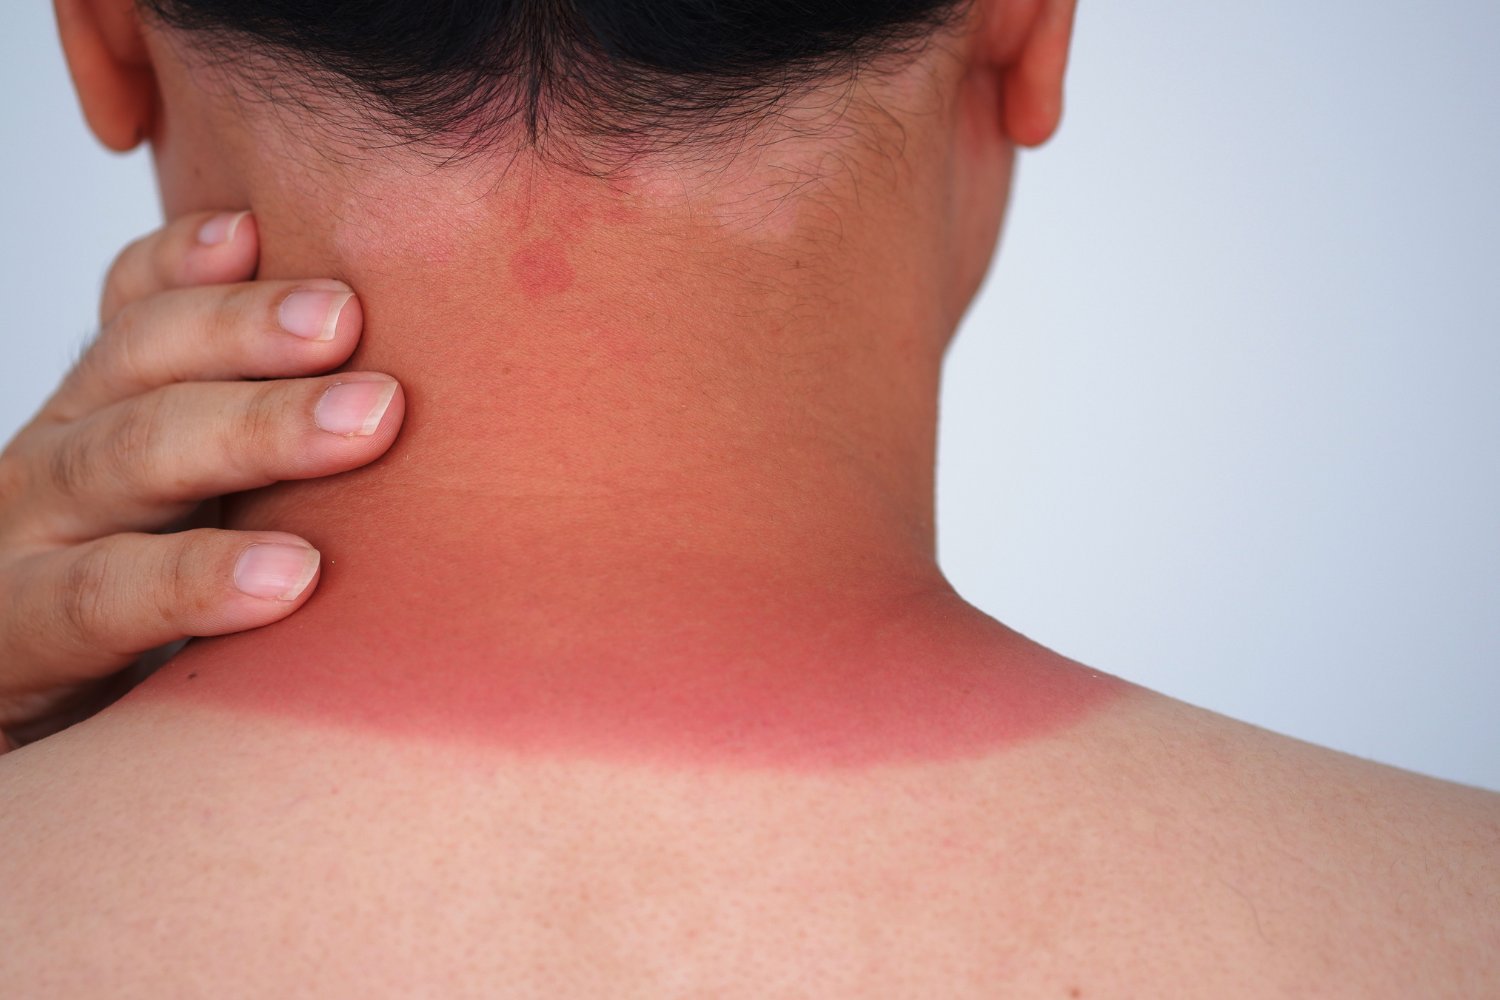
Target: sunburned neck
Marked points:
605	394
662	484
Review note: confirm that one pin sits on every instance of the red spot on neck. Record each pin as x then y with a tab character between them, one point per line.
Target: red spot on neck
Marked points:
541	269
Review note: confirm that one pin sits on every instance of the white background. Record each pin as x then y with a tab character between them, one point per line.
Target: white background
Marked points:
1225	420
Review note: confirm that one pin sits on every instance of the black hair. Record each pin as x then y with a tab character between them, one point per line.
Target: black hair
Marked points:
634	73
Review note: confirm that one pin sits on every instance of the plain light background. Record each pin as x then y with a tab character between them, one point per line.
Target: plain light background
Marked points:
1224	421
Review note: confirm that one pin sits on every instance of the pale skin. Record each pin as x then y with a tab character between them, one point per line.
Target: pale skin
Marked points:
631	671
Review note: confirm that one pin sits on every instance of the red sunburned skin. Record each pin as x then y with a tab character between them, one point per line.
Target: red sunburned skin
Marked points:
541	269
667	688
601	589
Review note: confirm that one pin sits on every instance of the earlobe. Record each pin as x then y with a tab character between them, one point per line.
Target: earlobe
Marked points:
111	69
1033	80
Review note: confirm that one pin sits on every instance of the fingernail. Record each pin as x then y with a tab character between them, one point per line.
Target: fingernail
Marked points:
354	408
221	228
275	571
313	314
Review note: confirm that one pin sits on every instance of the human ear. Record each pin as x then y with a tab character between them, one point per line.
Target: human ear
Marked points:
1026	44
111	68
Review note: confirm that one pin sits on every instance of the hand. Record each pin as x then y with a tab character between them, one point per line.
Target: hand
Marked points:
153	420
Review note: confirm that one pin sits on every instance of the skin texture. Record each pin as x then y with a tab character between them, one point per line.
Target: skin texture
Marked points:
836	693
631	671
541	269
669	615
686	513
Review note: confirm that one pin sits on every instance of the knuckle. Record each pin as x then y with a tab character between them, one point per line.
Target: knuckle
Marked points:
115	353
138	433
127	451
182	591
242	310
86	605
123	325
263	417
70	465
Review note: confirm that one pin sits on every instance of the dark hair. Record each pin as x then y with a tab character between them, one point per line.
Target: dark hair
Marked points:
642	73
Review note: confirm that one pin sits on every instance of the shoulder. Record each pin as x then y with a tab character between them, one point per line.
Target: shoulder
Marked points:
1329	864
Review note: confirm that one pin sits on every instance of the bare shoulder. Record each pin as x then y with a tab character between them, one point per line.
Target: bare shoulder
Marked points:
1151	849
1335	868
1372	808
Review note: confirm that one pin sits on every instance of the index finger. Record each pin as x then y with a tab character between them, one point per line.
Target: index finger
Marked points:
200	248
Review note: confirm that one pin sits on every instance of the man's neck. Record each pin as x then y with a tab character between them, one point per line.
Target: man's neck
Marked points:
664	490
605	395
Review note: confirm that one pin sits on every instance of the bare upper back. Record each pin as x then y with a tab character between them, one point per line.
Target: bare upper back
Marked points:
1152	850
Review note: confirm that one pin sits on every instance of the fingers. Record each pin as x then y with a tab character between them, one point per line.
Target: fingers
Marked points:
136	464
83	612
201	248
268	329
